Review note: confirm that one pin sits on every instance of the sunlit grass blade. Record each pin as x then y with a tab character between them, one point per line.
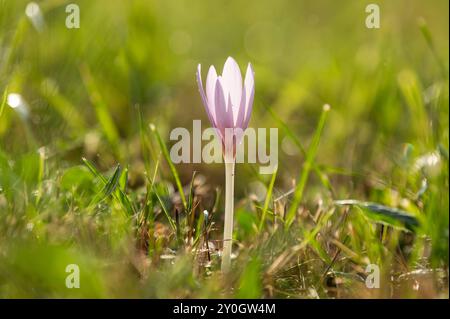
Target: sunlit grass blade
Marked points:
190	202
147	210
109	187
200	229
117	193
315	244
383	214
146	148
271	213
113	181
165	211
174	171
268	198
123	180
322	176
412	91
429	39
2	105
123	198
93	170
310	156
147	213
17	39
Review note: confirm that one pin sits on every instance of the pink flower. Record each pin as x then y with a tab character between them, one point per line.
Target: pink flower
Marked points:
228	103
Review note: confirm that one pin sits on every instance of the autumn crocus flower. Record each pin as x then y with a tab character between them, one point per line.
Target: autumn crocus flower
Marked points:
227	101
228	104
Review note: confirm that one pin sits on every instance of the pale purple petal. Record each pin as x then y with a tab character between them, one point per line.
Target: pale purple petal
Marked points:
202	94
241	113
229	118
211	90
232	83
249	87
224	119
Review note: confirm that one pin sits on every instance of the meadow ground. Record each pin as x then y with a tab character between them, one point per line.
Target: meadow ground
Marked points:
360	190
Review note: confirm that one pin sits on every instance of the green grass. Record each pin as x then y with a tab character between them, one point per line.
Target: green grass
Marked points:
85	179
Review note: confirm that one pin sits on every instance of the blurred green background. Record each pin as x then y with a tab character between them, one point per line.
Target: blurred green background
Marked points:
80	93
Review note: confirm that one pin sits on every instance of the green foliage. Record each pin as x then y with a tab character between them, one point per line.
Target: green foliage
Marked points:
382	214
250	282
366	182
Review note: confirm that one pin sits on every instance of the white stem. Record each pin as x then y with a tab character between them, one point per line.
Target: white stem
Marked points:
228	228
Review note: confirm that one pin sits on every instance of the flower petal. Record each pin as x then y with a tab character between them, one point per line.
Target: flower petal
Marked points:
230	118
232	83
202	94
211	90
224	118
249	87
241	113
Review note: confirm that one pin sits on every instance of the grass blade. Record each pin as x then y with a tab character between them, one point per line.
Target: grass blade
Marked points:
146	148
268	198
383	214
113	181
2	106
109	187
310	155
190	202
164	209
117	193
411	89
429	39
174	171
322	176
124	180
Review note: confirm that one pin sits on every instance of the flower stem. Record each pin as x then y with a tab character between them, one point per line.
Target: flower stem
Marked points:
228	228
